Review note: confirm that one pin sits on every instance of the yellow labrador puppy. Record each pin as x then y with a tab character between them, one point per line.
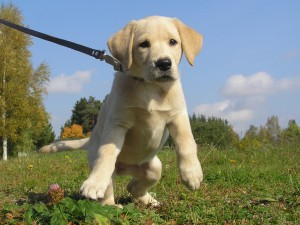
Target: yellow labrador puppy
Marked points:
146	103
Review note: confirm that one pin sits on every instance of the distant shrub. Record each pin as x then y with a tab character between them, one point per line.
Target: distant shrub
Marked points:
74	131
213	131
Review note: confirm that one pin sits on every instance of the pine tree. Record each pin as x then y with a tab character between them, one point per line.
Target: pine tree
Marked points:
21	88
84	113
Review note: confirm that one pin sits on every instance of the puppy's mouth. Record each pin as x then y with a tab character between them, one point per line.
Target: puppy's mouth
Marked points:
164	78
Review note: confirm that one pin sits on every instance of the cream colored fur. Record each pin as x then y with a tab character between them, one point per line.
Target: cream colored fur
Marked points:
145	105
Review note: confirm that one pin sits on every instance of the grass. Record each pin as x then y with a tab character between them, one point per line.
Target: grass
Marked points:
240	187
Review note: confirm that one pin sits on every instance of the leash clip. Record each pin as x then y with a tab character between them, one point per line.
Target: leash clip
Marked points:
98	54
112	61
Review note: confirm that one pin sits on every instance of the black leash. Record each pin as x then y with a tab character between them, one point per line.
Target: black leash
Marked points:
98	54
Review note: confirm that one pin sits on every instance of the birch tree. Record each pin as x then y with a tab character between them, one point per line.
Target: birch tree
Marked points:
21	87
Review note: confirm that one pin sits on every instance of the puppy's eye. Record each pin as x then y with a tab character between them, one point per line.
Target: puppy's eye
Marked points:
144	44
173	42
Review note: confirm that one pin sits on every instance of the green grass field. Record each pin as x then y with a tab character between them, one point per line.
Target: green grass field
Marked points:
240	187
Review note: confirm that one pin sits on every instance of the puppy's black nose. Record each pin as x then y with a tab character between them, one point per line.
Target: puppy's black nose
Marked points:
164	64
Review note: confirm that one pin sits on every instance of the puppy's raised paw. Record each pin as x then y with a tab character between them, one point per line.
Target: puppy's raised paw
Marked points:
93	189
192	175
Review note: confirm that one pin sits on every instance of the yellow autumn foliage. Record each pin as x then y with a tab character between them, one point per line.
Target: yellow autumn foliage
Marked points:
74	131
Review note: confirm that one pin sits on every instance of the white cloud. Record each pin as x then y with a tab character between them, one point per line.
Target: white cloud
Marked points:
238	113
69	84
288	84
258	84
245	97
227	109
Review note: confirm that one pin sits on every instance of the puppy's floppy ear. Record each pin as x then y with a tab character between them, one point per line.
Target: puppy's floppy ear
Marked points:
120	44
191	40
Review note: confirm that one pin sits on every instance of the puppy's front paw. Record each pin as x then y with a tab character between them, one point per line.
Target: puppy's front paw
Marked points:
192	175
93	189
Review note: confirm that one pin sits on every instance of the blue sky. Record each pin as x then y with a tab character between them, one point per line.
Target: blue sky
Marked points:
248	69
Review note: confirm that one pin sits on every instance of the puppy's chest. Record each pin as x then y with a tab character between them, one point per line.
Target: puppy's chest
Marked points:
149	126
151	118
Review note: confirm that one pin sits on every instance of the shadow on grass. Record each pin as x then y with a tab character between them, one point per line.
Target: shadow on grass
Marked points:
33	198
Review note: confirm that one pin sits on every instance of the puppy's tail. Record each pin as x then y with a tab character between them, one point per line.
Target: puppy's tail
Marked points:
65	146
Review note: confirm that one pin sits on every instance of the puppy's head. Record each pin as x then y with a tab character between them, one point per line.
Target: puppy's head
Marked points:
151	48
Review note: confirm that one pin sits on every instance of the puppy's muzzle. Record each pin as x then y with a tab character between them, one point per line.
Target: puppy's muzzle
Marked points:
164	64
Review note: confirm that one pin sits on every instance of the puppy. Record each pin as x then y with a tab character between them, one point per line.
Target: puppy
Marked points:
145	105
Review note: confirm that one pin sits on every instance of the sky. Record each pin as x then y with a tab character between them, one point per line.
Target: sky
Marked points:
247	70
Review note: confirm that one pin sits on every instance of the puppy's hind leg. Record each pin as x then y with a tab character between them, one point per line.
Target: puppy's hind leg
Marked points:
109	198
145	176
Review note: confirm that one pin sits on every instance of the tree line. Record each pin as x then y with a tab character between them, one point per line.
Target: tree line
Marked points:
271	134
207	131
